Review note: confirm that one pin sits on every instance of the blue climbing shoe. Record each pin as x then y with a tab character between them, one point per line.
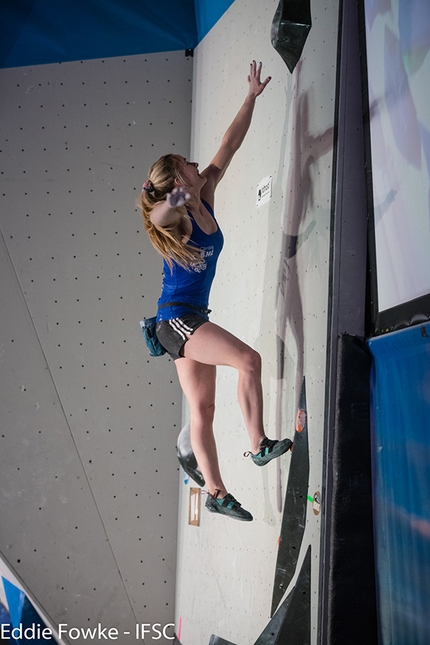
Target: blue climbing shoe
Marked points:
269	449
228	506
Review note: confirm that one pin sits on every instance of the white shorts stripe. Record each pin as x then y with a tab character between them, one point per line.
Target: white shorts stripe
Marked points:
180	327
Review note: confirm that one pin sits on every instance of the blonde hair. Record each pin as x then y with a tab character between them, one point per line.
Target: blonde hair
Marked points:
167	240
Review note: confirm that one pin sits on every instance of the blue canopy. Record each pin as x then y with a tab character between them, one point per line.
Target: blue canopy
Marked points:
36	32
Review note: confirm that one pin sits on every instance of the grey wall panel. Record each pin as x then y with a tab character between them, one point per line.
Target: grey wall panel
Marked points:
52	534
76	142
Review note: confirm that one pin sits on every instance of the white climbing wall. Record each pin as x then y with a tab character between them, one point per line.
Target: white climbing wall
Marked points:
271	287
89	477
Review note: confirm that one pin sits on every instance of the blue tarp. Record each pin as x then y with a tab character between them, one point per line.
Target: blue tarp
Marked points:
401	464
35	32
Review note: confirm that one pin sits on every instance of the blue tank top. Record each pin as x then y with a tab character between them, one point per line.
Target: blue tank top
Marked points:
193	285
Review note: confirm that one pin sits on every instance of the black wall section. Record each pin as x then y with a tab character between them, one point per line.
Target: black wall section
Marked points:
346	578
296	628
294	516
291	625
270	634
352	594
216	640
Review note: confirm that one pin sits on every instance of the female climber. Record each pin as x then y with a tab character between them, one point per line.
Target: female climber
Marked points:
177	204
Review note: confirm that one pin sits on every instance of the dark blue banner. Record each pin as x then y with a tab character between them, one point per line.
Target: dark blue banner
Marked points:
401	463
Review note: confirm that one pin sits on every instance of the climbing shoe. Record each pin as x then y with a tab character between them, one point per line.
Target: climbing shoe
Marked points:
228	506
269	449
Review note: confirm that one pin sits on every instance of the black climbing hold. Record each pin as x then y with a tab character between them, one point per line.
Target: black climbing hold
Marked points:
290	28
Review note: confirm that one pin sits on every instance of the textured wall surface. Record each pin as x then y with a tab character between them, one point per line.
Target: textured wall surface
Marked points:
88	474
271	290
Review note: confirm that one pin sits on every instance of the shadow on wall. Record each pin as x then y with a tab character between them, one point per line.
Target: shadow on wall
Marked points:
306	149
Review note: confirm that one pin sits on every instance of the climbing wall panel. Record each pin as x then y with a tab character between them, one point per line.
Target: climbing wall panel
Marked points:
89	422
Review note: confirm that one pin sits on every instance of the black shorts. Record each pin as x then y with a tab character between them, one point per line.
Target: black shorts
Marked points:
173	334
